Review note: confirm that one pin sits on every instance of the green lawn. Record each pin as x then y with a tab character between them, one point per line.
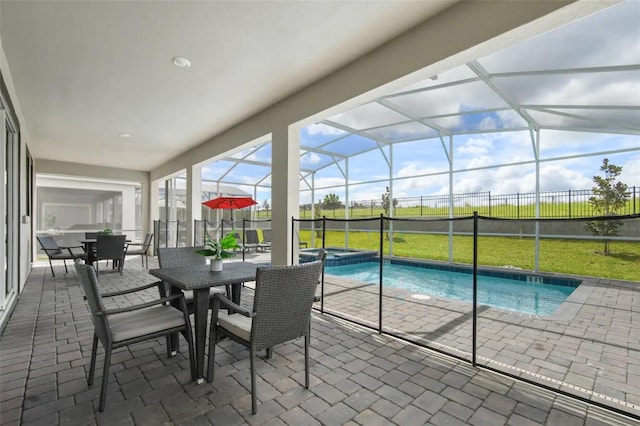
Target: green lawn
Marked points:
561	256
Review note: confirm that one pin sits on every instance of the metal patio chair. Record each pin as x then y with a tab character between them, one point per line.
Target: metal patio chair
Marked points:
141	249
115	328
281	312
56	252
111	247
266	240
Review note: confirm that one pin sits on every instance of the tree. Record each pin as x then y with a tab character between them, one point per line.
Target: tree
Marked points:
317	214
331	202
386	203
265	205
609	197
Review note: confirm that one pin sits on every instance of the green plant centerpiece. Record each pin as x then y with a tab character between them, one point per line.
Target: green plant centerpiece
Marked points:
105	231
218	250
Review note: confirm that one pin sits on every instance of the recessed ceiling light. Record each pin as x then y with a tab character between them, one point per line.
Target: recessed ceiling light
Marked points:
181	62
124	135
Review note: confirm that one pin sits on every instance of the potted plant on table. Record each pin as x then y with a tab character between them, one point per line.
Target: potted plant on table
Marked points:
218	250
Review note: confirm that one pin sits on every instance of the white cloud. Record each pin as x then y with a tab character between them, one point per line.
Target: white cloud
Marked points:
311	158
475	146
631	171
518	179
322	129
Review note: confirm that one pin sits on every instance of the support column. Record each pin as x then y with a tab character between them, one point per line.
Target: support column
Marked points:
285	191
154	210
129	213
193	199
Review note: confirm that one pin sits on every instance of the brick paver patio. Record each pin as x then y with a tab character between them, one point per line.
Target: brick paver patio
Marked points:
589	347
359	377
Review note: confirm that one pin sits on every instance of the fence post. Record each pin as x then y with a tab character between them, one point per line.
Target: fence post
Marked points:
569	204
293	231
324	235
475	288
634	199
489	204
421	206
381	263
244	237
518	205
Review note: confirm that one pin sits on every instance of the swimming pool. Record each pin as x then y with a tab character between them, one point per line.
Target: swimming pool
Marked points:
512	291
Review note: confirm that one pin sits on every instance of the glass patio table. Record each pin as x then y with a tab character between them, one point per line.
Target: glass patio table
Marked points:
199	279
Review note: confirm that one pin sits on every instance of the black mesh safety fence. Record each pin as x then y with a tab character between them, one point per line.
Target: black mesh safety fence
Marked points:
551	301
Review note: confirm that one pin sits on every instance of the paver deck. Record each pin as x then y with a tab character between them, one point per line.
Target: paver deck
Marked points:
359	377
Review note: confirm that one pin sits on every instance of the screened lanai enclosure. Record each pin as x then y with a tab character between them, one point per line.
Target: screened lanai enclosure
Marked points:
517	134
528	124
457	210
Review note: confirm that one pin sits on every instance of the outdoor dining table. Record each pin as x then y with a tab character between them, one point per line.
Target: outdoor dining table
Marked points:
199	279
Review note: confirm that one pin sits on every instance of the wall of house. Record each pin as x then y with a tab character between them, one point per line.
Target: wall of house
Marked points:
19	222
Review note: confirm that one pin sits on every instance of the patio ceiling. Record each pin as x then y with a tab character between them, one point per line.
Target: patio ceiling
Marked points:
583	77
86	71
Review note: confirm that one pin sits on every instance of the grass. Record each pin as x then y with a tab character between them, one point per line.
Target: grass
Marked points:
556	255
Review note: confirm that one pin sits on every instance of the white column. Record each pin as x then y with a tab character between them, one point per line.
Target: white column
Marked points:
193	199
285	191
154	209
129	212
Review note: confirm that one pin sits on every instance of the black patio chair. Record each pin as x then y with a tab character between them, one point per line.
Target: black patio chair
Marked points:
141	249
111	247
56	252
281	312
115	328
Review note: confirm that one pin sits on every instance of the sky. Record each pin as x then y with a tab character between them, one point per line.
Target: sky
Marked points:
481	161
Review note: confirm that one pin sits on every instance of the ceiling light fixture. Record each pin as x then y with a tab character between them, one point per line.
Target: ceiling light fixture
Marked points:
124	135
181	62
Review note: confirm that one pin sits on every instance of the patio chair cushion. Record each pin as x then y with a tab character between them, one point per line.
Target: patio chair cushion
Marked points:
237	324
146	321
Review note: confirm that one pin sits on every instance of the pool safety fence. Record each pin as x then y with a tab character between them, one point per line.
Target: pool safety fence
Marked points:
580	350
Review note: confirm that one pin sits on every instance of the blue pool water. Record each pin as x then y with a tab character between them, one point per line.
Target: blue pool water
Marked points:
505	293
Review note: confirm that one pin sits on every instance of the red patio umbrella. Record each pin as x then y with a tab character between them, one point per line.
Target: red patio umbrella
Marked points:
232	203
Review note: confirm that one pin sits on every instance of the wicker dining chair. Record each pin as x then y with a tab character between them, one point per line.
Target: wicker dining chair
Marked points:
281	312
115	328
